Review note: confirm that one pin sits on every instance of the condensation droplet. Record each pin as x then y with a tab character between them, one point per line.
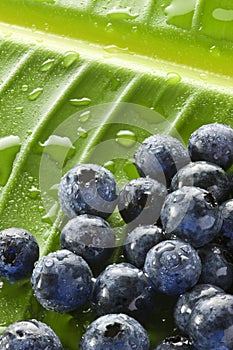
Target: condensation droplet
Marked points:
46	65
126	138
70	58
34	94
80	101
82	132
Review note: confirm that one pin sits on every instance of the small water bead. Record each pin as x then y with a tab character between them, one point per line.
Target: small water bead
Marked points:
34	94
9	147
34	192
173	78
114	49
221	14
126	138
84	117
58	148
179	8
46	65
24	87
19	110
80	101
110	165
122	13
82	132
70	58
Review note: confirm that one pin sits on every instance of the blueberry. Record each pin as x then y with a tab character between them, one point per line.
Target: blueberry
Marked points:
160	157
31	334
122	288
204	175
188	300
88	189
211	323
217	266
90	237
192	214
139	241
62	281
176	342
213	143
19	251
115	332
173	267
141	201
226	231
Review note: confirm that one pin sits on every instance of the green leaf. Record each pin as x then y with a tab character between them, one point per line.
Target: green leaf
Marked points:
88	81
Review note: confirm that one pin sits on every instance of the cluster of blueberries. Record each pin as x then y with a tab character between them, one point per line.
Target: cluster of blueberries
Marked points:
178	241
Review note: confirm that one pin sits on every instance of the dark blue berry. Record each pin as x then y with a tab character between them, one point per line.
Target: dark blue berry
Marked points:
192	214
139	241
122	288
213	143
211	323
173	267
226	232
141	200
205	175
90	237
217	266
115	332
176	342
19	251
188	300
31	334
88	189
62	281
160	157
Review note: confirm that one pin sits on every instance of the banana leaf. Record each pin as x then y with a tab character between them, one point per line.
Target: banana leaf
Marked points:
87	81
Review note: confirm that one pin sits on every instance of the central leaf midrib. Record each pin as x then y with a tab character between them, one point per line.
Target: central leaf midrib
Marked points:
129	60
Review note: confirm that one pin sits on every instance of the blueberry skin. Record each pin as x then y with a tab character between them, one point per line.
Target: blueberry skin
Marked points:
176	342
88	189
187	301
213	143
160	157
115	332
173	267
226	232
31	334
90	237
192	214
19	251
62	281
217	266
122	288
141	200
139	241
205	175
211	323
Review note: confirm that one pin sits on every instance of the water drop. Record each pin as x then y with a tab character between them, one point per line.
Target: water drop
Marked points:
126	138
223	15
34	192
173	78
80	101
58	148
179	8
24	87
51	215
34	94
113	49
110	165
19	110
84	116
46	65
9	147
82	132
70	58
123	13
